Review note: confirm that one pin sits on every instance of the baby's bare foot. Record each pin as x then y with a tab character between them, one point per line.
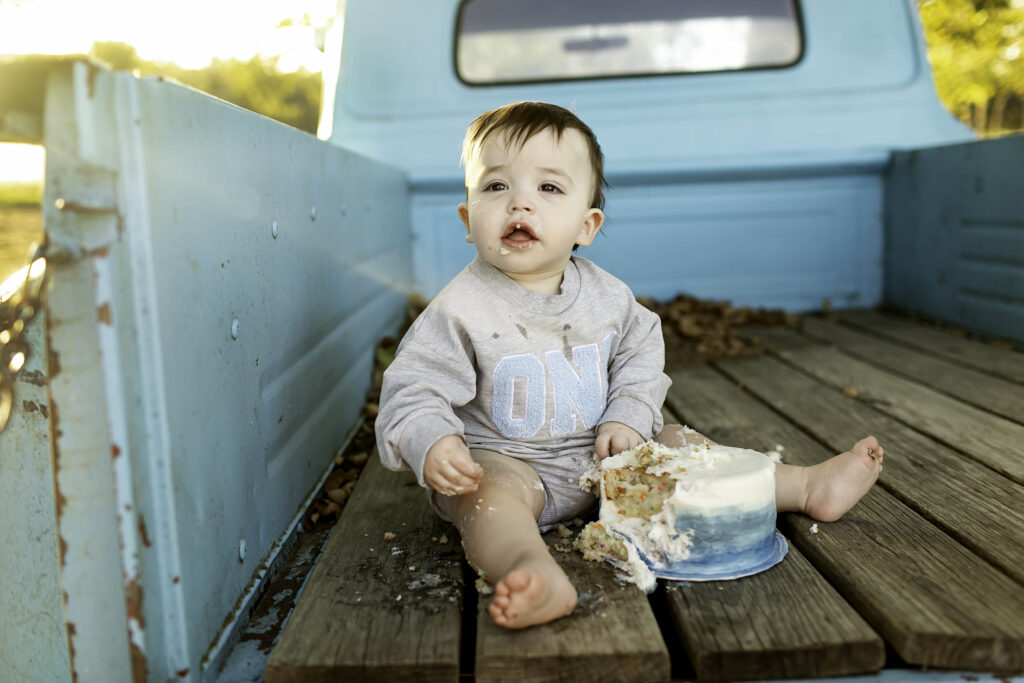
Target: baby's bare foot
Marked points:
835	486
528	596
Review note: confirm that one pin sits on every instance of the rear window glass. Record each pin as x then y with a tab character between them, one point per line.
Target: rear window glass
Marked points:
510	41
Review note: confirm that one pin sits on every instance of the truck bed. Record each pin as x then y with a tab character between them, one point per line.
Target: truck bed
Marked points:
216	286
925	574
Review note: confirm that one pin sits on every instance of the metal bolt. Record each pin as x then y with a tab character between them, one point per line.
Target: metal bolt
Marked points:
241	550
273	229
234	328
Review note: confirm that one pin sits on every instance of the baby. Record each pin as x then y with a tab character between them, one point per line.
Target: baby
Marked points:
532	360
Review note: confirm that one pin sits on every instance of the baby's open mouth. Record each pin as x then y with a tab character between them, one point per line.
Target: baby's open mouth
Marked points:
518	236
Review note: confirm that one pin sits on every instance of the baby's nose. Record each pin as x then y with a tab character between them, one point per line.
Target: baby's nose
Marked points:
520	202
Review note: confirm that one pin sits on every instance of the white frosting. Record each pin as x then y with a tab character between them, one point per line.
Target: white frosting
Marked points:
637	571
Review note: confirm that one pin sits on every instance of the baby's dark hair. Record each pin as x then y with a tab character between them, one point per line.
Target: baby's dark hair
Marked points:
523	120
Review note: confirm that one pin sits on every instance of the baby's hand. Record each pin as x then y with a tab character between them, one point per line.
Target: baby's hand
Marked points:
615	437
449	468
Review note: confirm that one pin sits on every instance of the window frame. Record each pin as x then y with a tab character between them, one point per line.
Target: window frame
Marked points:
801	53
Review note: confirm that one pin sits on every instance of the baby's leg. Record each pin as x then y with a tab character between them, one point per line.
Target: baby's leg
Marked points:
498	524
826	491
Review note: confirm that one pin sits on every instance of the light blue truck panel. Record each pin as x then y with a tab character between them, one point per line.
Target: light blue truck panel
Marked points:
786	243
289	286
955	234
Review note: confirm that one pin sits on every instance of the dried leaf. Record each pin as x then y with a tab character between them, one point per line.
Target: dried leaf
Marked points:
689	327
385	353
339	496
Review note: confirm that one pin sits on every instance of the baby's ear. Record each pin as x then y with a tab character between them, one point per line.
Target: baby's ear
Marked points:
592	222
464	217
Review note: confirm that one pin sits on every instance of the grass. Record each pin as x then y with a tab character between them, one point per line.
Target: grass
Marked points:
21	194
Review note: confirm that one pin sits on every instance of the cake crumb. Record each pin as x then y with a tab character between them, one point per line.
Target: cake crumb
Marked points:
389	536
814	528
443	539
563	531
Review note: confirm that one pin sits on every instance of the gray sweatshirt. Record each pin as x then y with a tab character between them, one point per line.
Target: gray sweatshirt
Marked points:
520	373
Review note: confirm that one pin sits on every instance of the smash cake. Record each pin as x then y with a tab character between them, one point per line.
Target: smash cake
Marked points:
701	512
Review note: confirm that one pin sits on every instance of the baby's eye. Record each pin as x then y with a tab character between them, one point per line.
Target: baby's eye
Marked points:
496	186
550	187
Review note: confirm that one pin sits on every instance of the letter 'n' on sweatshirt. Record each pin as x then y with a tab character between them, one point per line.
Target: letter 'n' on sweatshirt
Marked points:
585	390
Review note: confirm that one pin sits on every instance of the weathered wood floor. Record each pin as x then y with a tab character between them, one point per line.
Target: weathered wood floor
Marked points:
926	572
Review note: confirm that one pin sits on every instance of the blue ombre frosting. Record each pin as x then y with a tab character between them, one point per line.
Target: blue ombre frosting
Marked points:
728	544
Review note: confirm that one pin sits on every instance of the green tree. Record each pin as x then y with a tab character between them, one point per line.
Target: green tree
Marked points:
976	48
256	84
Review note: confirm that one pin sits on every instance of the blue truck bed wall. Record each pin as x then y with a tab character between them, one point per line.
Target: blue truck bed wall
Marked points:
218	286
219	282
955	235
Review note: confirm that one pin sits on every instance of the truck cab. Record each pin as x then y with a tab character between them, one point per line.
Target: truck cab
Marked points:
746	143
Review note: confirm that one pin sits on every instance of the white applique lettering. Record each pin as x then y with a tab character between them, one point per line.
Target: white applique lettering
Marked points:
580	389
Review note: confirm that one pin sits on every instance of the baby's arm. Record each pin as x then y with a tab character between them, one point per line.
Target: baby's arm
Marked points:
430	377
636	385
449	469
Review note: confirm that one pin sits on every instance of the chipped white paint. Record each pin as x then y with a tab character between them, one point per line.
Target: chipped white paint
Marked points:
33	638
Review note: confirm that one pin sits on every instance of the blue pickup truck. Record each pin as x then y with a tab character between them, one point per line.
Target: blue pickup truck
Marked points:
217	281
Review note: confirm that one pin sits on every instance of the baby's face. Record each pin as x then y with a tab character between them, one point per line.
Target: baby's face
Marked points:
527	206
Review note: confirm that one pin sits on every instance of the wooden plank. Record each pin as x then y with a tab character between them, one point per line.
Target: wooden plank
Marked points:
611	636
377	609
966	384
787	622
988	438
941	342
935	602
988	516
